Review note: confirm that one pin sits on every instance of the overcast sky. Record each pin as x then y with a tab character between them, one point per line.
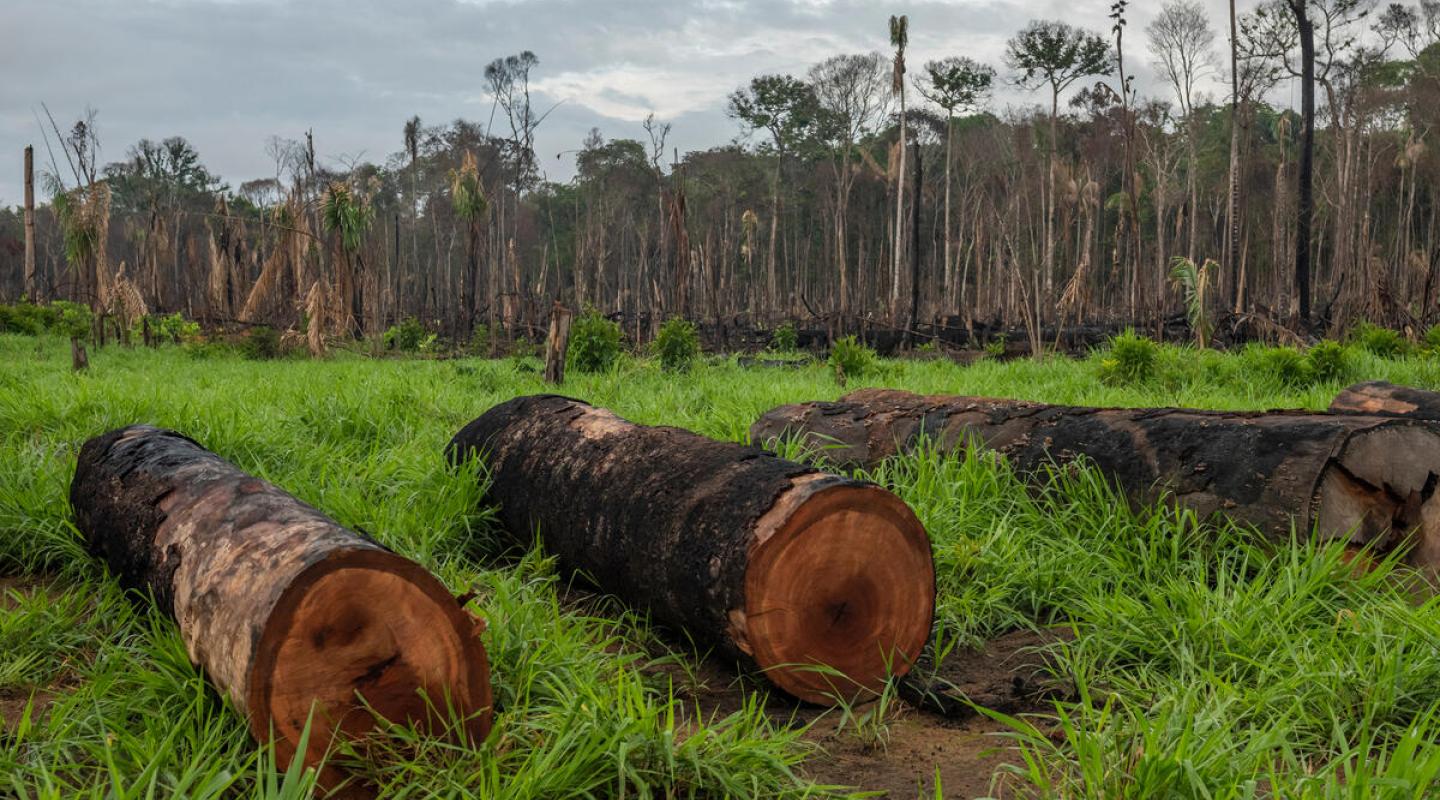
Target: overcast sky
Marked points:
228	74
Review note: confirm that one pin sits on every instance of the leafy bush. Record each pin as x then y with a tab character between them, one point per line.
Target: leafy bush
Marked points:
995	348
786	337
677	344
594	343
170	326
74	319
1131	359
1286	365
850	357
480	340
405	337
32	320
262	343
1329	361
1431	340
1383	342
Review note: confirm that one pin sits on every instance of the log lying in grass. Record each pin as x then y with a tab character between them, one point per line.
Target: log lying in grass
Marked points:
281	606
777	563
1378	398
1368	480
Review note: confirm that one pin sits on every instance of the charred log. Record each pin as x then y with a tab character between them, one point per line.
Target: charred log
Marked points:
282	607
1367	480
824	583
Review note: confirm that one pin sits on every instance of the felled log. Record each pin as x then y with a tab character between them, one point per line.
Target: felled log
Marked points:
281	606
1382	399
1368	480
824	583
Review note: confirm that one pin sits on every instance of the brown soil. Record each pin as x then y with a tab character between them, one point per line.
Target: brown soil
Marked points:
969	750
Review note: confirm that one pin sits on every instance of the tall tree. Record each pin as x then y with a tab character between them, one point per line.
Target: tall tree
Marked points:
784	107
347	216
899	37
851	91
1053	54
959	85
1305	209
1182	42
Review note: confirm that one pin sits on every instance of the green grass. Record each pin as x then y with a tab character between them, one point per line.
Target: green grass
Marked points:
1208	663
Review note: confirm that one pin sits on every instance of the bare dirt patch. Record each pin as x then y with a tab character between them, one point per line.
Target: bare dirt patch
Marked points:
1008	675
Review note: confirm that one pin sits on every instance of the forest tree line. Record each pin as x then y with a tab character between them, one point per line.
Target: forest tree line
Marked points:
867	191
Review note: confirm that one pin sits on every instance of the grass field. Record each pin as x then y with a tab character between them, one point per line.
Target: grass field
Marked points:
1200	661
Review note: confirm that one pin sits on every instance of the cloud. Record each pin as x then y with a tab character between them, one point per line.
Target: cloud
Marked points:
227	74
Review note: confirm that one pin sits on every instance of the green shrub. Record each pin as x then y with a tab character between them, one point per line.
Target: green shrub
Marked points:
480	340
1431	340
594	343
1286	365
1329	361
405	337
850	357
173	327
261	343
1383	342
1131	359
74	320
995	348
785	337
677	344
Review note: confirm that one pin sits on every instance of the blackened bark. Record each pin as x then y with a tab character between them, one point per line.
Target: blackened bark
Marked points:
1359	478
280	605
674	523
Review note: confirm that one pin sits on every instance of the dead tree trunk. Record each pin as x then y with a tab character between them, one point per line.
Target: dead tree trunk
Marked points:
1381	399
783	566
1367	480
282	607
558	344
32	292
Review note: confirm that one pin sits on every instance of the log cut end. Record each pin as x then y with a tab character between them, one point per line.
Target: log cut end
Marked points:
840	590
1379	491
363	632
1379	398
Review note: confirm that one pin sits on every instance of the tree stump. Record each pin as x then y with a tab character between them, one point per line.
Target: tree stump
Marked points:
823	583
282	607
1381	399
557	345
1367	480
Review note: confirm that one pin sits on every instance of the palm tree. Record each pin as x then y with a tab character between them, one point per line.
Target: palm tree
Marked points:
467	194
348	216
899	37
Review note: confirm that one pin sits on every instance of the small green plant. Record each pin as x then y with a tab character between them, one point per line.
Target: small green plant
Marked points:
677	344
168	327
1431	340
995	348
850	358
480	340
1382	342
406	337
1195	282
594	343
785	337
1329	361
74	320
929	348
261	343
1286	365
1130	360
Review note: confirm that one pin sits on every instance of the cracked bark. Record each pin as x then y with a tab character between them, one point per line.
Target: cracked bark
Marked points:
282	607
780	565
1364	479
